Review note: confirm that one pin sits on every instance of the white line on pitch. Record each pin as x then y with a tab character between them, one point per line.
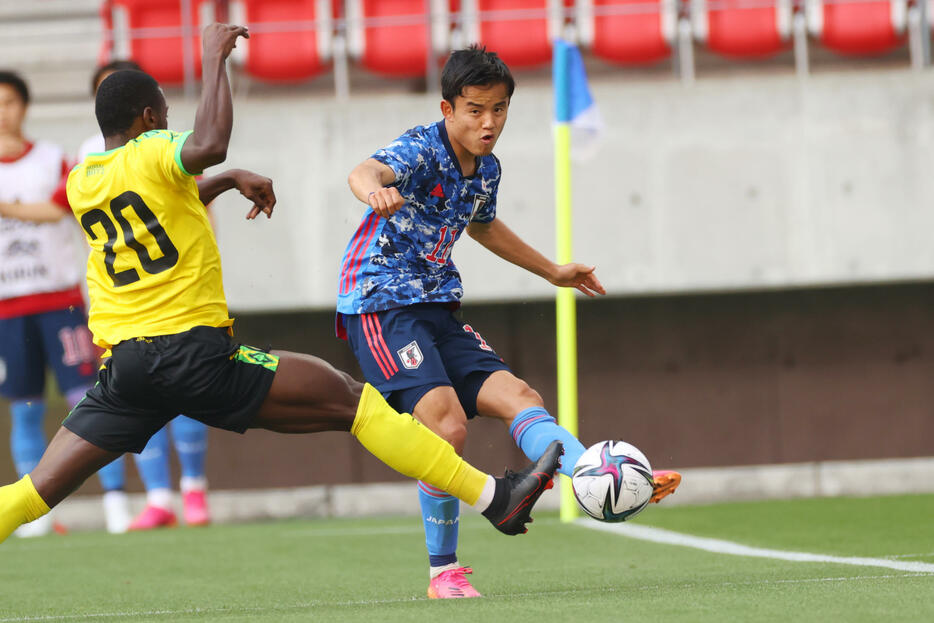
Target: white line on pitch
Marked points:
718	546
386	602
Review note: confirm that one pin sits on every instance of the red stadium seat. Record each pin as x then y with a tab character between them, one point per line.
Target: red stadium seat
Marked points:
743	28
105	53
858	27
289	39
519	31
396	42
155	37
629	32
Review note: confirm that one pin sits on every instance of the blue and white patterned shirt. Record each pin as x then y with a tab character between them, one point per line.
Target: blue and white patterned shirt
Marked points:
406	259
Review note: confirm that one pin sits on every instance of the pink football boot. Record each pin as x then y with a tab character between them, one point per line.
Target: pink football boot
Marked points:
196	508
452	584
153	517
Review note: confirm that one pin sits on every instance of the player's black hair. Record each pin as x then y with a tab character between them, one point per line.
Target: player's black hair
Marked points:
16	81
471	67
122	97
111	67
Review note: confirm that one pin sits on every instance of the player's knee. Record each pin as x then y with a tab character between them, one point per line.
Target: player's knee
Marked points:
454	431
528	397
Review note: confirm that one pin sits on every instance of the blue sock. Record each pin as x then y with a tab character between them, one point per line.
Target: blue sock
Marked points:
113	475
153	462
441	515
191	444
533	429
27	441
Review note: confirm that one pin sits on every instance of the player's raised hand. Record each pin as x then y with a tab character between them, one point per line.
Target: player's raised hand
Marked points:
578	276
258	189
386	201
221	39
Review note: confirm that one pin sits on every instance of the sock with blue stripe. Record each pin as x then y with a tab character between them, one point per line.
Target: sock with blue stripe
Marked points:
153	463
191	444
533	429
27	440
441	516
113	475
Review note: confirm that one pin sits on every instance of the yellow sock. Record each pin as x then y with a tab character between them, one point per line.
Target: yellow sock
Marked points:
19	503
404	444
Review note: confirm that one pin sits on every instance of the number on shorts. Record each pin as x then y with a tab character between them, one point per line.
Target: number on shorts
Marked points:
483	344
77	346
117	206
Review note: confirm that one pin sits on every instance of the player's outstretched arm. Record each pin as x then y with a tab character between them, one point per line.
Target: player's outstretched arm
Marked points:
370	183
504	242
208	143
255	187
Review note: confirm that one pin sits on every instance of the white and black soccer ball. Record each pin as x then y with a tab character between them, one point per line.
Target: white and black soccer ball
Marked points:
612	481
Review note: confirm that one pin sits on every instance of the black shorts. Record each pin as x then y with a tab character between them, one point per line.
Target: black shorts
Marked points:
148	381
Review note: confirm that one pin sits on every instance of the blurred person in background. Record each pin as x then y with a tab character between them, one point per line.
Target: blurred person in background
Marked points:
43	323
399	290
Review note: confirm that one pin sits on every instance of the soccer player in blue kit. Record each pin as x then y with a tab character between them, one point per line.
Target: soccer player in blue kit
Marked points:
399	289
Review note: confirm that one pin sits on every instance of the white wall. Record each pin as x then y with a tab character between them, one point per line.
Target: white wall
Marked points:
751	182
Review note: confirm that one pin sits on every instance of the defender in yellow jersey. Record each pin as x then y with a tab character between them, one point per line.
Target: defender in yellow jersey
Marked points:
157	303
154	267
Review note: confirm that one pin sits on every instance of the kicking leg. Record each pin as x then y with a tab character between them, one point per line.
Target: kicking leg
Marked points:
68	461
504	396
510	399
309	395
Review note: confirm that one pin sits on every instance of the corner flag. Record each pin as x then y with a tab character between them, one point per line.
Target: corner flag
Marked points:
574	103
574	107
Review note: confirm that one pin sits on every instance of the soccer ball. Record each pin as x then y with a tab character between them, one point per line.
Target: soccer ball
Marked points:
612	481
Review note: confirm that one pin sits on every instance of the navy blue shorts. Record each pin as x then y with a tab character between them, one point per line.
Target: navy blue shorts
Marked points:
406	352
59	340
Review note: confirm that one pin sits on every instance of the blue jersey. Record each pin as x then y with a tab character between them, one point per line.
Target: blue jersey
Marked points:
406	259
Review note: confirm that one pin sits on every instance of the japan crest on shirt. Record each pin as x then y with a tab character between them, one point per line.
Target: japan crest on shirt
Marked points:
478	202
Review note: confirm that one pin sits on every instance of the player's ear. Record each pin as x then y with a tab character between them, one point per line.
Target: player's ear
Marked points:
150	119
447	110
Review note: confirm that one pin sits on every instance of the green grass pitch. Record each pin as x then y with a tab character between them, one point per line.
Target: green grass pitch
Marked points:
375	570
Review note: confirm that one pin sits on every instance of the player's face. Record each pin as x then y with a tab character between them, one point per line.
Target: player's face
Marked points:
12	111
477	118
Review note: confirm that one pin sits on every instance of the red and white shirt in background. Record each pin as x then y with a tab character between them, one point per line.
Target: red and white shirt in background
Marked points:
40	263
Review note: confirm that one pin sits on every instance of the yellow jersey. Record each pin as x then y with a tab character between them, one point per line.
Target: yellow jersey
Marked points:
154	268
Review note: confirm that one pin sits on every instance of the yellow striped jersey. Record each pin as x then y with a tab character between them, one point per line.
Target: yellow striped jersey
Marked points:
154	267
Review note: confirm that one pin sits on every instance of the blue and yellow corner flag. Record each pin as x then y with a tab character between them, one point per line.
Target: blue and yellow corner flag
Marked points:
574	104
577	123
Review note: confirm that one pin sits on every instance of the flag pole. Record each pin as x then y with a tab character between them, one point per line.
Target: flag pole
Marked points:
565	312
